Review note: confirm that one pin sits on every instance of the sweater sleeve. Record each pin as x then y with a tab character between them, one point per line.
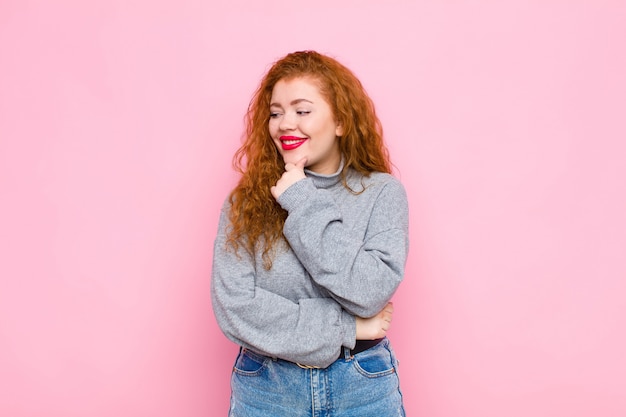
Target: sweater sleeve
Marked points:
360	273
310	331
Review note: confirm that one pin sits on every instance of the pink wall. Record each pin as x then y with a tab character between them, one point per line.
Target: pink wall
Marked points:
506	121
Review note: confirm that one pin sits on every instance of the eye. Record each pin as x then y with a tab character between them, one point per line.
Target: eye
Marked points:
274	115
303	112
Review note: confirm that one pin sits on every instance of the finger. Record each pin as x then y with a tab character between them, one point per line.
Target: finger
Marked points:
386	325
388	308
301	163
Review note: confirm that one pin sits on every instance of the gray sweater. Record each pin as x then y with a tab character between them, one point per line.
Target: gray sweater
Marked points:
345	257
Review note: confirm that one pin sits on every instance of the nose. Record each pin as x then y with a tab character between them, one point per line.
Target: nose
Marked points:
287	122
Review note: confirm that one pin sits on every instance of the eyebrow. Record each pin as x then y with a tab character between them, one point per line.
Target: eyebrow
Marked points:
294	102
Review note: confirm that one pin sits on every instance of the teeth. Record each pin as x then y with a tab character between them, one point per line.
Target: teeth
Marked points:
292	142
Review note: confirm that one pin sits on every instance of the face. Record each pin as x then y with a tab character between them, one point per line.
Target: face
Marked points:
302	124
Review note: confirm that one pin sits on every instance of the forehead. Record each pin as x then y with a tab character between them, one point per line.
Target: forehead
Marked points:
296	88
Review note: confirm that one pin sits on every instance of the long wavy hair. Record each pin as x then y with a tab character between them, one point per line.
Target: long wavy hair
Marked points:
256	218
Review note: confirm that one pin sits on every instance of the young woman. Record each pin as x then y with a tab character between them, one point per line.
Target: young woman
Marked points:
311	247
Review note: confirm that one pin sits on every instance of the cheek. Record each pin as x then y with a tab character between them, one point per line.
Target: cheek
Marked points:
273	124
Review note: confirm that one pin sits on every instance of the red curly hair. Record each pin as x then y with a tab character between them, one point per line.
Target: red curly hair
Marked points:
256	217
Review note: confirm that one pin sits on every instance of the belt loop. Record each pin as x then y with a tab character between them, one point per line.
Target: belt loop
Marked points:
346	352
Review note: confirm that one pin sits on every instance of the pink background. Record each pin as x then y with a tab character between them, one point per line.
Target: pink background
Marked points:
505	119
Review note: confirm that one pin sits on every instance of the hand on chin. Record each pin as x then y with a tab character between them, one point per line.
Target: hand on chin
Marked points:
293	159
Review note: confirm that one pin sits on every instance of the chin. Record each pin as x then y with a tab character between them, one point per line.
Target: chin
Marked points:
293	159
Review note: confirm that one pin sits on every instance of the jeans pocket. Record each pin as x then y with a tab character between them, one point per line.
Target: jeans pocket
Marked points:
375	362
249	363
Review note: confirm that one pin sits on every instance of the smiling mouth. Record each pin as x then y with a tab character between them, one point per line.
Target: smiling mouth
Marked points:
291	142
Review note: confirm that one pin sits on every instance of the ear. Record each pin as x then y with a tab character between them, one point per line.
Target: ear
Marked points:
339	130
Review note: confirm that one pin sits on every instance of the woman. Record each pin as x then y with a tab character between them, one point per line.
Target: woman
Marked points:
311	246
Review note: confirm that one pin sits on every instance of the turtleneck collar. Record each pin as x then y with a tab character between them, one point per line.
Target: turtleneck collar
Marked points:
325	180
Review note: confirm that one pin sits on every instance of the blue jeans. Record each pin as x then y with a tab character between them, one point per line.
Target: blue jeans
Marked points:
363	385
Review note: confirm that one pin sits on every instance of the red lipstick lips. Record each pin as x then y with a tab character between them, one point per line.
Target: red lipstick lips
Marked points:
291	142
